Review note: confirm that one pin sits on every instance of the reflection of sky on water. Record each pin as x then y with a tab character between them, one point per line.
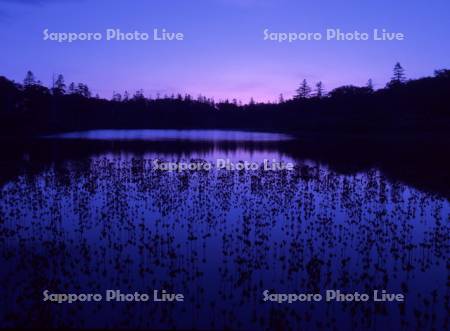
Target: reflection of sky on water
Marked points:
162	135
221	238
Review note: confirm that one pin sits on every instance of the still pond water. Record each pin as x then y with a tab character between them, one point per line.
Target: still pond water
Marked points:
88	212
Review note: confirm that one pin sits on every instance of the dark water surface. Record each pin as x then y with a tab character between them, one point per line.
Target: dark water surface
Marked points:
83	216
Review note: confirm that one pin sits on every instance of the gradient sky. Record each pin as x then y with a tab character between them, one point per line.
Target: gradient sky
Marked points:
223	54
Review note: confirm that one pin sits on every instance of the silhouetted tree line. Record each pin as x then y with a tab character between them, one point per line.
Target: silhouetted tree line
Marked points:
420	105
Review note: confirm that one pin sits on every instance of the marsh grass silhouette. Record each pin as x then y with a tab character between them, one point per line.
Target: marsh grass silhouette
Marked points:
220	237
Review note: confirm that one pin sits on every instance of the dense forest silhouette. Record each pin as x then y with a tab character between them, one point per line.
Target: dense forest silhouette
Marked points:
419	106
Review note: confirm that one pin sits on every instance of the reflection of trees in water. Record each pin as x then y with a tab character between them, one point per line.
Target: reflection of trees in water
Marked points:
221	238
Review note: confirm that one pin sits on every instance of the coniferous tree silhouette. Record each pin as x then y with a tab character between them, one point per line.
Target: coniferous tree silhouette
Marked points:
369	85
30	79
319	90
442	73
398	77
72	88
139	95
303	91
83	90
117	97
59	87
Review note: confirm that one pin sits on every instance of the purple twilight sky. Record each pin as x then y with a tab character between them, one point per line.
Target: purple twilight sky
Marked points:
223	54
